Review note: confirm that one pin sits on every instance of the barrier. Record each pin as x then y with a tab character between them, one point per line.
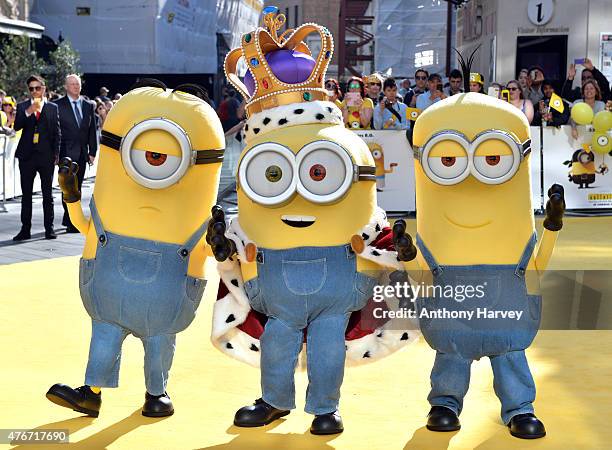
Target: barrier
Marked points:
10	177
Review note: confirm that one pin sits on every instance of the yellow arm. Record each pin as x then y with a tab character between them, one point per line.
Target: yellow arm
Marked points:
77	217
545	249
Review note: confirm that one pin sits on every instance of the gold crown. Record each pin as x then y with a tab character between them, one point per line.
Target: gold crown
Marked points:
269	90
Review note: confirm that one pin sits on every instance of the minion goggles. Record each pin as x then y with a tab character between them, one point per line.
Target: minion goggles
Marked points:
487	169
152	177
322	172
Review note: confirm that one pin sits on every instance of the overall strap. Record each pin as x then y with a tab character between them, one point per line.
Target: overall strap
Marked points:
435	268
102	238
524	261
188	246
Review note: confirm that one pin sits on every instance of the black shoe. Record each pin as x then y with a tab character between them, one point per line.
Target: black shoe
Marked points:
441	418
258	414
330	423
72	229
22	236
526	426
157	405
81	399
50	234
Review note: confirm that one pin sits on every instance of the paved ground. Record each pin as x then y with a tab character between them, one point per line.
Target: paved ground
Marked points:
38	247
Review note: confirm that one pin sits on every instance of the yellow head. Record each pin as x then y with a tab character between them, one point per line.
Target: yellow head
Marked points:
300	186
379	157
473	188
151	183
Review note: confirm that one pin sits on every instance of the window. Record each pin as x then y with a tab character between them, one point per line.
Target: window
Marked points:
424	58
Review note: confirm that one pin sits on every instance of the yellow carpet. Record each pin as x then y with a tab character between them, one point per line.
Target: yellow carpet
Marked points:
45	334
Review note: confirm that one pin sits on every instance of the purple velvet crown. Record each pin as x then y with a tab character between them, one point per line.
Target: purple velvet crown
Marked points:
289	66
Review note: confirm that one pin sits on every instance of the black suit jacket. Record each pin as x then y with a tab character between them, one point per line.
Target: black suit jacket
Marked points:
48	128
77	142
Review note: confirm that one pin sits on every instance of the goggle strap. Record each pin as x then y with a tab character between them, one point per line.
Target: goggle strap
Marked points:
202	156
366	173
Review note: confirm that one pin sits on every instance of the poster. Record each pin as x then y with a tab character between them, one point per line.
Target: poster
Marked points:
605	55
585	176
394	168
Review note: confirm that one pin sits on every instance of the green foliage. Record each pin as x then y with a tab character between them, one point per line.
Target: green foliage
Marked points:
17	63
64	61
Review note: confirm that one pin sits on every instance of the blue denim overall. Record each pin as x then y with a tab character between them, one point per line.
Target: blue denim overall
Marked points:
459	341
306	287
140	287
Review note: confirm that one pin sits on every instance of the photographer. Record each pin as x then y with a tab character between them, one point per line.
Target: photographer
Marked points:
356	107
545	113
390	114
435	93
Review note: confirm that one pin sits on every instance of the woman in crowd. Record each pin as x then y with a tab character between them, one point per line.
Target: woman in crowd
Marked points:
334	94
476	82
357	109
101	112
10	109
517	99
591	95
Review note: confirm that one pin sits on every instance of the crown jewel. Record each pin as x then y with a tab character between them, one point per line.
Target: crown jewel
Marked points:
282	69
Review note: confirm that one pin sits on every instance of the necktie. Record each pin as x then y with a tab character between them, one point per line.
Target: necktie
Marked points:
78	113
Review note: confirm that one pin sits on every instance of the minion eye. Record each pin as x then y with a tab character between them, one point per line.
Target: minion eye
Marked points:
266	174
377	154
448	168
602	140
325	171
153	165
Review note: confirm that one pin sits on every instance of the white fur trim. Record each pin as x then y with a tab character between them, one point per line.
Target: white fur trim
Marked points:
294	114
233	309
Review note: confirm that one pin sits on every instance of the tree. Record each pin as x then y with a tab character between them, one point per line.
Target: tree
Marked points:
17	63
64	61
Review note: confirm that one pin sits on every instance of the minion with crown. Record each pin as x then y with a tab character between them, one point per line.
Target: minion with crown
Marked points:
476	234
308	239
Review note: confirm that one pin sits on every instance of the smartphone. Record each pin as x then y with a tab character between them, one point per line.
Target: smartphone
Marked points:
352	98
493	91
505	95
579	61
439	87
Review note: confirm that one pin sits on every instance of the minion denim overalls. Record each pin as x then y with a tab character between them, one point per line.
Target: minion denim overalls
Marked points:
298	288
140	287
460	341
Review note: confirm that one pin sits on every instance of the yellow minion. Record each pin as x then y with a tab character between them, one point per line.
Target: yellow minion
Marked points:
142	270
478	254
306	190
379	160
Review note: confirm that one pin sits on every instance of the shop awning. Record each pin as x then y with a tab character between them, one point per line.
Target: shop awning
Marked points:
21	28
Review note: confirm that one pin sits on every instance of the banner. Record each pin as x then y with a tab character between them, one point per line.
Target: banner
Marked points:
584	175
394	168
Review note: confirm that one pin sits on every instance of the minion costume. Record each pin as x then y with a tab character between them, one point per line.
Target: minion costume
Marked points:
142	270
473	191
306	188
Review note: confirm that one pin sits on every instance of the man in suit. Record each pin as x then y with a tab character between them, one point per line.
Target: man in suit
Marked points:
38	152
79	138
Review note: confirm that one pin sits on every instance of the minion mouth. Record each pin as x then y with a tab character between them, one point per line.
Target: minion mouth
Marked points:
298	221
468	226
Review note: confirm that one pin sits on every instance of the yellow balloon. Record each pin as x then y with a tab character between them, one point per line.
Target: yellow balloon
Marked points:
582	113
603	121
602	142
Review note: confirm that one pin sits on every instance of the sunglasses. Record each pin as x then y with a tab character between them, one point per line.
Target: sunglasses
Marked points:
376	84
35	88
330	86
354	86
420	78
512	88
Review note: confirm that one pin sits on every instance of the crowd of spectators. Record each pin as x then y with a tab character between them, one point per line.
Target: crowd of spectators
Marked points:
381	103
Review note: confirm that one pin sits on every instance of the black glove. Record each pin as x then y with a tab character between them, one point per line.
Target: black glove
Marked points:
555	207
406	251
68	181
221	246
